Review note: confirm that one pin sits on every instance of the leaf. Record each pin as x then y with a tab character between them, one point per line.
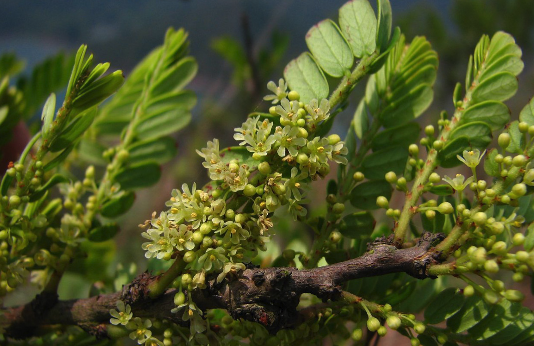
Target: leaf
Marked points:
118	205
447	156
361	120
490	166
457	94
478	133
499	87
364	195
408	107
78	61
500	316
493	113
74	130
138	176
385	19
47	116
472	312
527	113
377	164
358	23
58	159
382	58
508	63
529	239
6	183
441	190
400	136
103	233
162	124
330	48
54	180
175	78
357	225
98	91
516	332
516	139
91	152
185	99
160	150
304	76
444	305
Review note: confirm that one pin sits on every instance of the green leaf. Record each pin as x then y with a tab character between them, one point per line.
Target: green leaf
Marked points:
441	190
98	91
516	332
501	45
6	183
138	176
527	113
54	180
377	164
3	113
329	48
400	136
103	233
185	99
162	124
500	316
91	152
478	133
74	130
516	139
159	150
78	61
529	239
457	94
175	78
58	159
427	340
472	312
385	19
447	156
364	195
358	23
47	116
444	305
357	225
407	107
499	87
382	58
118	205
490	166
361	120
304	76
509	63
493	113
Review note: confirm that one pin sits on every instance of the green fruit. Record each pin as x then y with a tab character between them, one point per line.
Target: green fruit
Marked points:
179	298
338	208
264	168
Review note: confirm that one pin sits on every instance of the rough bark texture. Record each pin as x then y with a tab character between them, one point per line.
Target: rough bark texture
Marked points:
268	296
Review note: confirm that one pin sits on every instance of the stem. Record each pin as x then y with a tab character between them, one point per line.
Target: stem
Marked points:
158	286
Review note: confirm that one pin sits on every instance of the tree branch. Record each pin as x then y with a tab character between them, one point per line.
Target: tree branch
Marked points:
268	296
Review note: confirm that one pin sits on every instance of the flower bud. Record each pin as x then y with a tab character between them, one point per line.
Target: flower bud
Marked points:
434	178
438	145
521	256
189	256
373	324
415	342
335	237
394	322
358	176
518	239
478	256
514	296
382	331
469	291
179	298
333	139
491	297
519	160
419	328
272	110
519	189
430	214
518	277
14	201
391	177
413	149
523	127
293	96
338	208
357	334
505	199
264	168
480	218
303	159
504	140
498	286
491	266
382	202
429	130
301	122
445	208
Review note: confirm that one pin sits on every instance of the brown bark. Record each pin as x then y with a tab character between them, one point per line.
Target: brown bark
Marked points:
269	296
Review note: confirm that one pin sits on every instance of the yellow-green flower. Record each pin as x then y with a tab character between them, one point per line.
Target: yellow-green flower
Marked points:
471	158
123	316
459	183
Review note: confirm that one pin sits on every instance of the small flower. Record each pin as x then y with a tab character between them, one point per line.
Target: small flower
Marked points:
230	267
296	210
287	137
471	158
141	333
458	183
213	161
339	150
123	316
279	91
318	112
153	342
288	110
183	238
294	184
212	259
233	232
199	280
319	150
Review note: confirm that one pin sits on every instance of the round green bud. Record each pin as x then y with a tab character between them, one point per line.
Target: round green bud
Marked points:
288	254
531	130
505	199
478	256
523	127
394	322
205	228
35	182
429	130
264	168
519	189
518	239
293	95
333	139
507	160
491	297
419	328
357	334
186	279
504	140
469	291
491	266
230	214
272	110
233	166
391	177
438	145
519	160
514	296
14	201
481	185
518	277
301	122
521	256
303	159
279	189
90	172
445	208
331	198
498	286
499	248
415	342
249	190
424	142
358	176
382	202
335	237
216	193
207	242
179	298
480	218
338	208
499	158
413	149
373	324
197	237
412	162
430	214
301	113
19	167
189	256
401	183
490	193
434	178
240	218
11	172
167	333
123	155
382	331
257	156
302	133
260	190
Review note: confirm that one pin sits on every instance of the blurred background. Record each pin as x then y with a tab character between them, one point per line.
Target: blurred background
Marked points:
240	45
